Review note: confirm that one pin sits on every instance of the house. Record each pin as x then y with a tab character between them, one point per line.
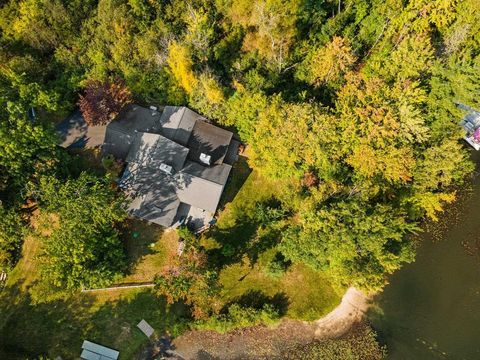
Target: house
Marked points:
471	125
177	162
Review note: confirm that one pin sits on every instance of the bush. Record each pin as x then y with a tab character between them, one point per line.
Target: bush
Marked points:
238	316
111	165
191	240
278	265
228	250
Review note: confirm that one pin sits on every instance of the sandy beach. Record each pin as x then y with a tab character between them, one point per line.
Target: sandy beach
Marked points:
269	342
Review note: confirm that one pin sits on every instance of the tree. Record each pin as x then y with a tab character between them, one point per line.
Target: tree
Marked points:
208	97
180	63
379	125
330	62
304	140
41	24
103	100
242	110
270	24
83	249
11	236
357	243
25	146
189	280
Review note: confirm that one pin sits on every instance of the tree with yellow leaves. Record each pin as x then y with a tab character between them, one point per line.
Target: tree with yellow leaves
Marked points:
181	65
329	63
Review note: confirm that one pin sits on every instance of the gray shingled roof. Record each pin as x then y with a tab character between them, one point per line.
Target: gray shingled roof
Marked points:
151	192
217	173
155	207
156	196
198	192
120	133
210	140
178	122
139	118
154	150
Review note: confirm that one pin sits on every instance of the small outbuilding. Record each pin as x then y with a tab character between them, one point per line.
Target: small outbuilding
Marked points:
145	328
92	351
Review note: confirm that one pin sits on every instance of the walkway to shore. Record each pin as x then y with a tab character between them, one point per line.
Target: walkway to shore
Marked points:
259	341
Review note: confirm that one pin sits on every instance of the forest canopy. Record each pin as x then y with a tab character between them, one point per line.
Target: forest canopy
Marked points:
350	104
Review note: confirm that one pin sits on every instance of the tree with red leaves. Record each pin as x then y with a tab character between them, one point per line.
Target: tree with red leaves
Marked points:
103	100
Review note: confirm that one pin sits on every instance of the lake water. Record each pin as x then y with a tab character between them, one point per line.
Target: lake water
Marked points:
431	308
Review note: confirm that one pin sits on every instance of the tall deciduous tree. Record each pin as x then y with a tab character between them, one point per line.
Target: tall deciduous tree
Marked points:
83	248
180	63
271	26
103	100
355	242
329	63
25	146
11	236
188	279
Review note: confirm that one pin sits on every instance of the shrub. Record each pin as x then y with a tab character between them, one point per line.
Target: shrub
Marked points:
111	165
278	265
238	316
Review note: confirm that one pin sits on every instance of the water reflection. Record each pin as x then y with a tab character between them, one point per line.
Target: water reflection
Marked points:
431	308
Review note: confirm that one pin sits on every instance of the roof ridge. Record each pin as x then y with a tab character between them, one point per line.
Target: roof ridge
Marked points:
198	177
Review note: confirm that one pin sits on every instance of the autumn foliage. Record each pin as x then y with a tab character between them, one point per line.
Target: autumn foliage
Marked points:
103	100
187	279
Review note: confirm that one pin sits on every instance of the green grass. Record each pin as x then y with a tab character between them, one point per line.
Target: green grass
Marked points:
149	248
306	294
238	175
58	327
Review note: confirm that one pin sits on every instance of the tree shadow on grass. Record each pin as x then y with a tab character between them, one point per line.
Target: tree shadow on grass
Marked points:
116	322
58	327
248	237
238	175
29	329
137	236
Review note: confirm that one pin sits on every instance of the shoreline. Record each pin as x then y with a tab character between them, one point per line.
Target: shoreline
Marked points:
351	310
262	341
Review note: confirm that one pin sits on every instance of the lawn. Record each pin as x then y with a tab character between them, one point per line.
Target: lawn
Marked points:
58	327
149	248
304	293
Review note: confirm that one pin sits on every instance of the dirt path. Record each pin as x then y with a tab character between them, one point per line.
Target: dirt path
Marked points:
261	342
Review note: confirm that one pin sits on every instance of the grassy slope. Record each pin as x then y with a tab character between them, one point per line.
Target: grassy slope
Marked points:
58	327
149	248
308	293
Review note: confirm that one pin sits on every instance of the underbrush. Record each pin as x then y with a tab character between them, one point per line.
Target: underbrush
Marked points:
238	317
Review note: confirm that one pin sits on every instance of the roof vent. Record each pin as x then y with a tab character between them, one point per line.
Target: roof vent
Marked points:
167	169
204	158
154	108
